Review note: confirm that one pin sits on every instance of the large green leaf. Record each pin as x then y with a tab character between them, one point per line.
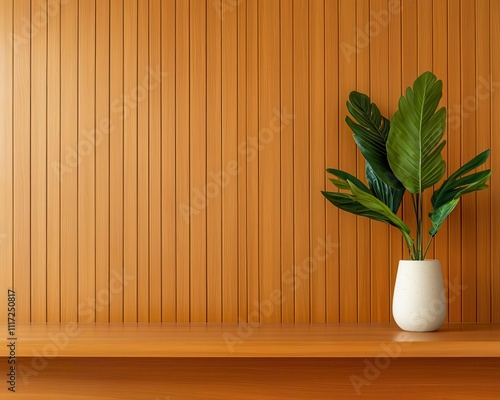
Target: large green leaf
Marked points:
439	215
370	134
389	195
363	203
446	198
456	185
343	176
414	144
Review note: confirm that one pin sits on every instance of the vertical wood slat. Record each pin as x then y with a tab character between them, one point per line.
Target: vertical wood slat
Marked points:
397	250
347	161
483	142
77	223
6	143
21	163
287	131
269	160
332	157
38	178
228	174
440	67
168	210
154	81
363	68
116	163
103	132
495	161
301	160
197	160
182	159
69	161
86	165
53	166
252	161
242	162
379	81
214	202
143	272
468	117
317	160
130	140
454	146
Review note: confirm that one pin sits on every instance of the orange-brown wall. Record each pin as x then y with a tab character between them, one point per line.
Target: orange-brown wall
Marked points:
163	160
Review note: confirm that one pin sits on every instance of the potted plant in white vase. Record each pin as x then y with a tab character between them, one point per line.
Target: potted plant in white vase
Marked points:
405	154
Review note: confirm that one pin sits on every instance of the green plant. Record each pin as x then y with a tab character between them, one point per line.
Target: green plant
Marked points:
404	154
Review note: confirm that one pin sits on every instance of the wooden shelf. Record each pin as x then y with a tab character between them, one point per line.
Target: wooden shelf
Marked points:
251	340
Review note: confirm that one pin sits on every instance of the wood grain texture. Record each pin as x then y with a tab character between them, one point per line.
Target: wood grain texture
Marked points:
309	378
38	163
154	81
468	124
130	167
264	340
227	176
347	161
495	187
363	225
168	210
317	159
252	162
287	146
214	162
163	159
454	146
143	270
379	83
332	109
69	161
197	158
103	131
116	142
86	167
301	278
182	171
6	143
269	159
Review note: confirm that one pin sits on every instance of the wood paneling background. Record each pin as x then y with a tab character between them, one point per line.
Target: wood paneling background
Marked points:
162	160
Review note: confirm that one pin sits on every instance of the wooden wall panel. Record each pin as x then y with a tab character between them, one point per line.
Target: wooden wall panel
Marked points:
69	162
228	176
495	161
332	110
38	165
168	210
363	254
103	131
453	163
6	143
143	271
347	161
86	167
130	140
269	159
117	117
162	160
21	162
301	159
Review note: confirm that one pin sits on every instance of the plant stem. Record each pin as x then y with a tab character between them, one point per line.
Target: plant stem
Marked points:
428	244
418	207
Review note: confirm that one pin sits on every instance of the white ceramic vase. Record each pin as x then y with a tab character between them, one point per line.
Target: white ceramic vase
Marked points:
419	301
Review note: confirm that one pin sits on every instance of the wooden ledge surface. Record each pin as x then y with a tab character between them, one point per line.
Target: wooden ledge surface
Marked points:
252	340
